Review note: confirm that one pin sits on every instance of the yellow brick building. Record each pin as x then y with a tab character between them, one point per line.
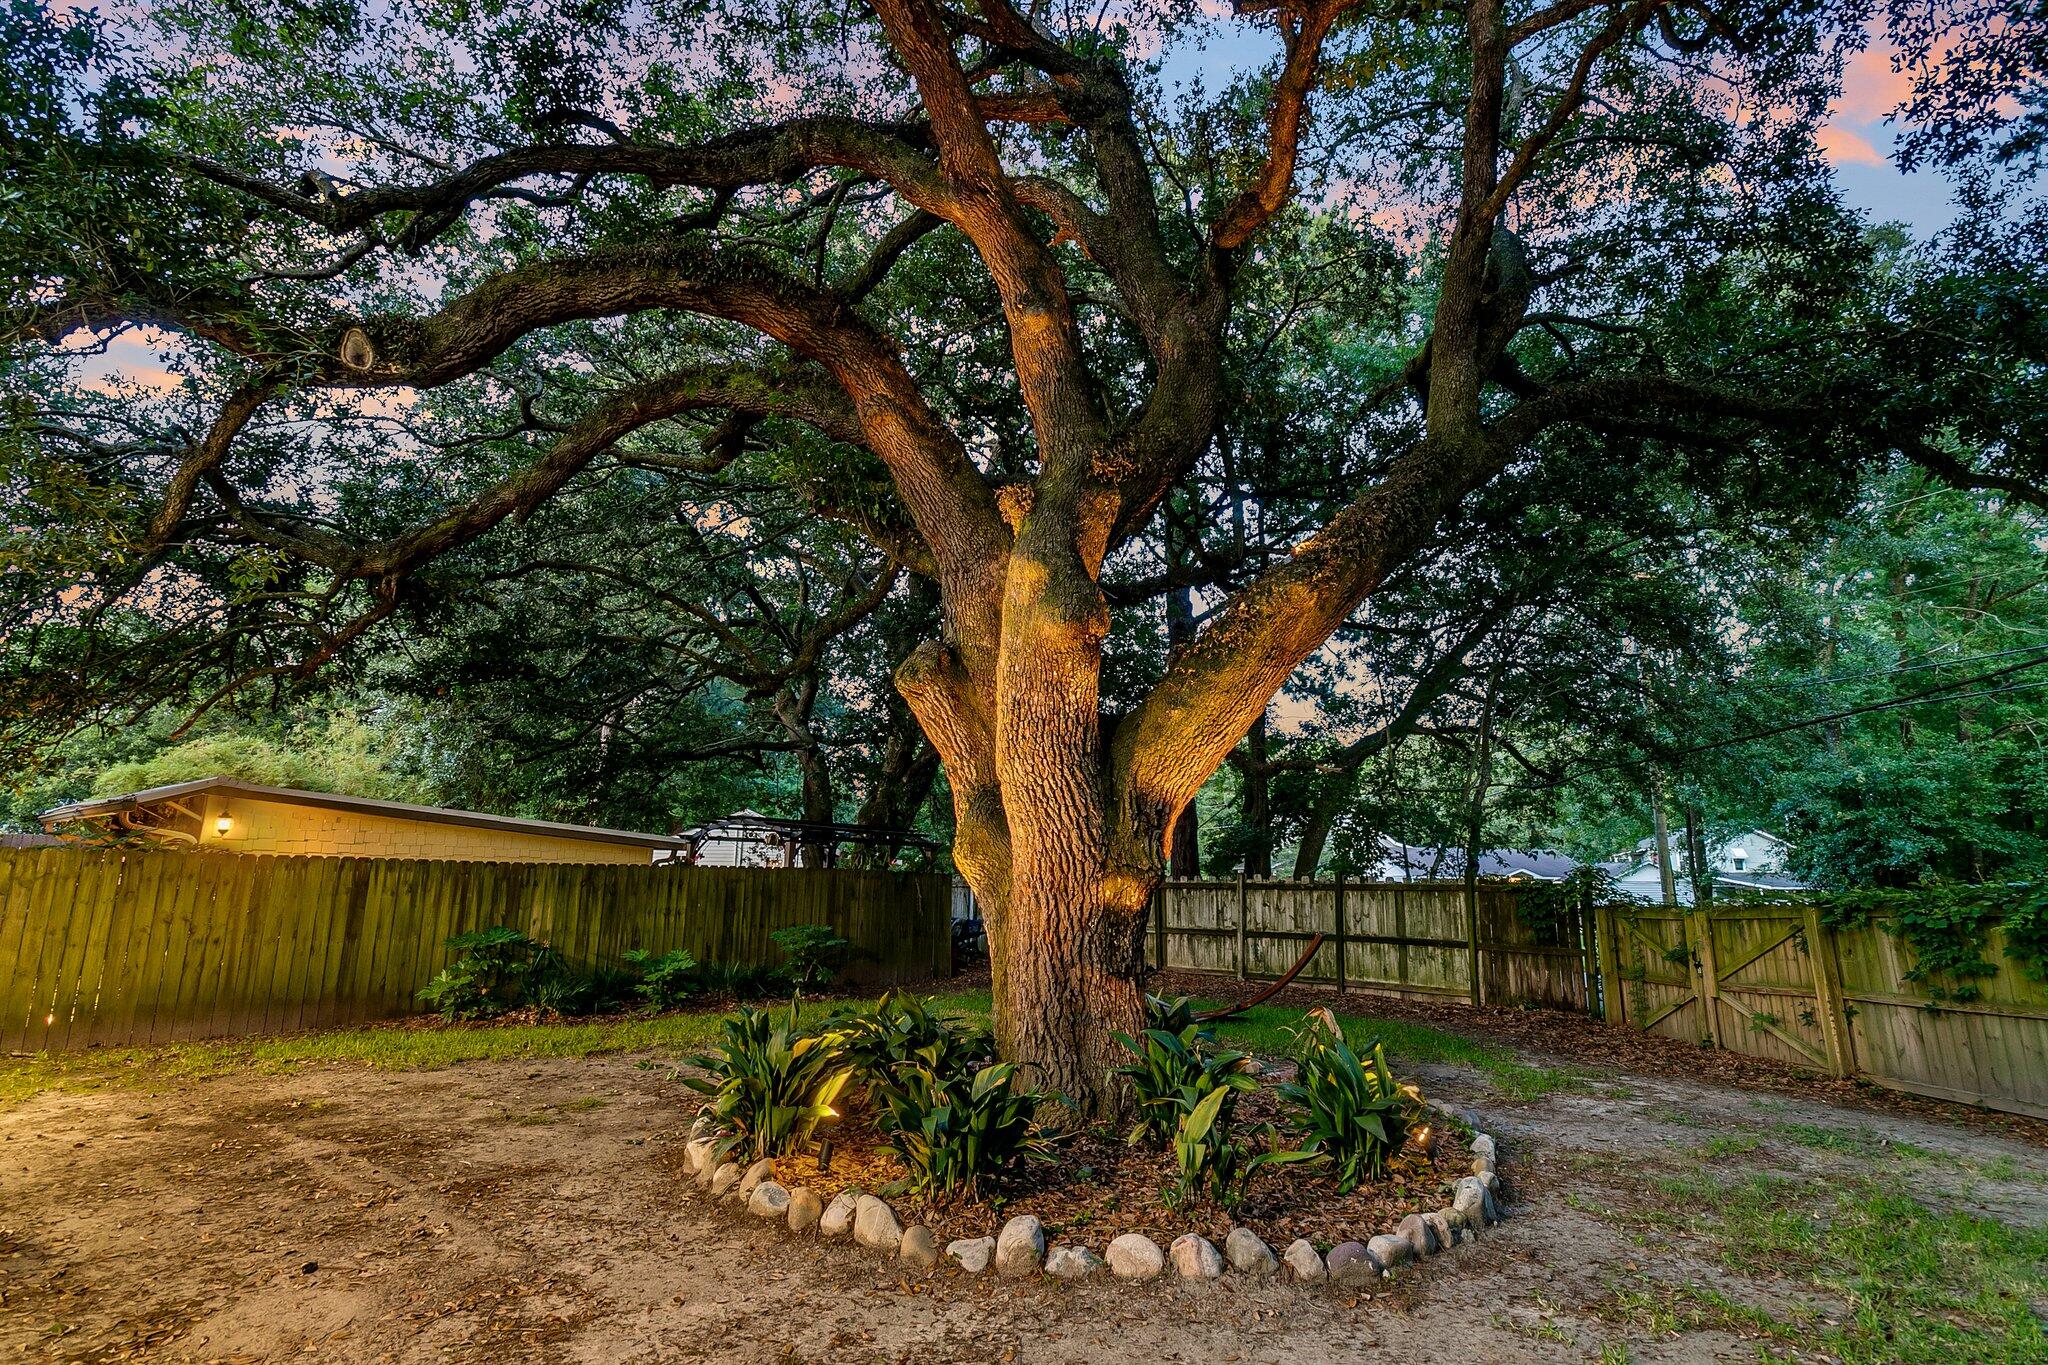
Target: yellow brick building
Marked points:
242	817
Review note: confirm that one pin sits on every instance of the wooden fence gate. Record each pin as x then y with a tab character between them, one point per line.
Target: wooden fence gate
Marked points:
1776	981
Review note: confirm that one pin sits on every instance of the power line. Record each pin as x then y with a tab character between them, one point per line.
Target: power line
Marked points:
1765	684
1952	691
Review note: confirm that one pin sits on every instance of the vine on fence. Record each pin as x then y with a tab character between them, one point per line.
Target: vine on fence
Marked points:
1946	924
1546	908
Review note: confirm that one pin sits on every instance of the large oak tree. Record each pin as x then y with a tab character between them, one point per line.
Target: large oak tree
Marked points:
985	259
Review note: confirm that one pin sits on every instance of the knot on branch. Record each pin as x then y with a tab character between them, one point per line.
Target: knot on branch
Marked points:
381	346
1015	501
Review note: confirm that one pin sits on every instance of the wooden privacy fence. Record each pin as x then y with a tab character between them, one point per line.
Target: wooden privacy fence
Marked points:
144	946
1767	980
1405	938
1774	981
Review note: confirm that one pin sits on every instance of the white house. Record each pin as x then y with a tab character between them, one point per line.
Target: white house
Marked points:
1753	860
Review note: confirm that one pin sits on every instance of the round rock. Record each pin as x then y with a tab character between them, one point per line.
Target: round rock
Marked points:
768	1200
1388	1251
697	1153
972	1254
1196	1258
1417	1233
1020	1247
1349	1263
764	1169
1440	1228
917	1249
837	1220
723	1179
1134	1256
1071	1263
1248	1253
1304	1260
1482	1145
1469	1199
875	1225
805	1209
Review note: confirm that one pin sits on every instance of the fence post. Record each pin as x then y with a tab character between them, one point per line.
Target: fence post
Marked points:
1401	933
1473	992
1827	985
1710	975
1159	924
1240	925
1588	964
1340	933
1605	929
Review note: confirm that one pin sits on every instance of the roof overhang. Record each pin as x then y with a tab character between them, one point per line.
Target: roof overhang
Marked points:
107	806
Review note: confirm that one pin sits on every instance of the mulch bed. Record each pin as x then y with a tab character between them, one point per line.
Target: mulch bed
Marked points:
1594	1042
1099	1187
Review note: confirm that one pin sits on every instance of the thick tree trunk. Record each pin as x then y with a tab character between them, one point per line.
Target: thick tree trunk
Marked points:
1332	795
793	709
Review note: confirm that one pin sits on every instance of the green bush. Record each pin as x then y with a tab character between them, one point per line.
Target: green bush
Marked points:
551	984
1176	1014
1208	1153
813	952
665	981
772	1082
1174	1073
1351	1112
901	1030
489	973
951	1128
741	981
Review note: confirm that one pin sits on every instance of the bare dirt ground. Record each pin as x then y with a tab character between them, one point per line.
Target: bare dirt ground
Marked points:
535	1211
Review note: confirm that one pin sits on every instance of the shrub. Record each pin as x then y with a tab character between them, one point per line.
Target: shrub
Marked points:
901	1030
665	981
742	981
1207	1152
1352	1112
772	1082
1175	1072
551	984
489	974
814	953
951	1128
1176	1014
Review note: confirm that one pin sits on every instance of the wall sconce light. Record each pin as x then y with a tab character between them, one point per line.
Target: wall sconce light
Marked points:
223	823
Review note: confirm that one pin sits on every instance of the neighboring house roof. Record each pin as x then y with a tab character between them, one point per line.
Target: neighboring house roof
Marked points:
391	810
1405	862
1761	881
1649	844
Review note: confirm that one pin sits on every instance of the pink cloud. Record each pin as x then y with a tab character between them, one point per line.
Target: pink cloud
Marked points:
1845	148
1870	88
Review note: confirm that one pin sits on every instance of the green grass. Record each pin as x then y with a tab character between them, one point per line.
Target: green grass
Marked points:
417	1048
1919	1284
1264	1029
1725	1145
388	1047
